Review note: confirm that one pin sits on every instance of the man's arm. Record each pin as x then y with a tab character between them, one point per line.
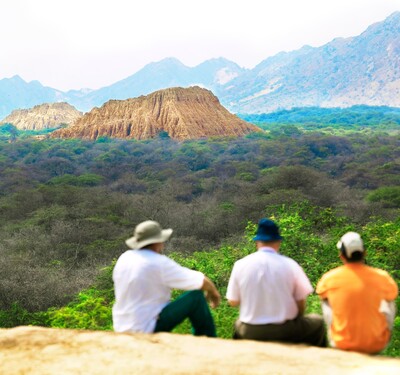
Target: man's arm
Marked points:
388	309
232	292
301	305
212	293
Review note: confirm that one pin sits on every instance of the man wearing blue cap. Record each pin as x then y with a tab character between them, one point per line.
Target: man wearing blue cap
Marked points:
270	290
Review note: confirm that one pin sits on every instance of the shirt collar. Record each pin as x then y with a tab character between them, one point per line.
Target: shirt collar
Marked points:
267	249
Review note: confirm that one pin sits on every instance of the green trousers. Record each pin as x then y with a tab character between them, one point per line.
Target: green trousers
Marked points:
192	305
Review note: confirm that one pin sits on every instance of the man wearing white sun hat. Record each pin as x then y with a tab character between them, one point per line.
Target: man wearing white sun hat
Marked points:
357	300
143	280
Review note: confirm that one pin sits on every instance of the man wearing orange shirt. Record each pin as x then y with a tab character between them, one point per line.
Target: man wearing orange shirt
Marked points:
357	300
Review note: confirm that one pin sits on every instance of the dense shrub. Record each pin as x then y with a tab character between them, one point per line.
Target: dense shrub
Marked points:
66	207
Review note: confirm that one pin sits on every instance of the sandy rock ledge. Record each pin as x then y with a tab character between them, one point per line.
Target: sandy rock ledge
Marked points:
37	350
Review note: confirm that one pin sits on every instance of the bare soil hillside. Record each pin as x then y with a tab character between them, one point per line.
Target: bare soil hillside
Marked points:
43	116
183	113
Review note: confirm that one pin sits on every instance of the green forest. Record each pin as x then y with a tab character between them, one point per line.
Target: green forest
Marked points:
358	117
67	206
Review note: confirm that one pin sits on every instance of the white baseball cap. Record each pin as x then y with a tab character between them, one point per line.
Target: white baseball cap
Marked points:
351	242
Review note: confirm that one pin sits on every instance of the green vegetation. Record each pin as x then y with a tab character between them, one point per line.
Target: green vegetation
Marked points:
389	196
329	120
10	132
66	207
311	234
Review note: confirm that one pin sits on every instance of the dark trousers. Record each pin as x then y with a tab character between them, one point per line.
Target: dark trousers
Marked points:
307	329
192	305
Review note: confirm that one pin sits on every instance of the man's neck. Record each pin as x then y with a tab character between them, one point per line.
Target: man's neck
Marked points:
275	245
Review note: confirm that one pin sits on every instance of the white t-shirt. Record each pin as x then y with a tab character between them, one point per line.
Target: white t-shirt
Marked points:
267	284
143	280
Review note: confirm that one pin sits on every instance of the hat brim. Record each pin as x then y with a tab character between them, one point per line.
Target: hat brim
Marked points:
267	238
164	236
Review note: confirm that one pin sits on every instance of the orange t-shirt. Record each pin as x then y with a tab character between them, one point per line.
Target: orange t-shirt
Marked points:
354	292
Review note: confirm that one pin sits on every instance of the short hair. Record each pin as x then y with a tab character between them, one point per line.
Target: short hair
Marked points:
356	256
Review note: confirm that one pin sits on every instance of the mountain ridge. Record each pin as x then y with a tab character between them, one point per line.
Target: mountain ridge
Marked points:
344	72
363	69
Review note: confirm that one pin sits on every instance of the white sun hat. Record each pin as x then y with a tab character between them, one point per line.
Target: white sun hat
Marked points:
146	233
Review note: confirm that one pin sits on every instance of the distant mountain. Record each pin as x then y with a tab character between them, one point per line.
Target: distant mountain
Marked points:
182	113
166	73
342	73
360	70
15	93
43	116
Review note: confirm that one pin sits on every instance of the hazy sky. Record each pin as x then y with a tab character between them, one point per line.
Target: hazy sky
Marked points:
77	44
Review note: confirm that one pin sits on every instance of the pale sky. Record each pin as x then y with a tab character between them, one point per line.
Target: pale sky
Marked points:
78	44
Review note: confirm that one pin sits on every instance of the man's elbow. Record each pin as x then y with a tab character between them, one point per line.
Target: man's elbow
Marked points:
233	303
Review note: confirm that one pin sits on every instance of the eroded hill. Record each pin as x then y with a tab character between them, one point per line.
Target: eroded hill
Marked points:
183	113
43	116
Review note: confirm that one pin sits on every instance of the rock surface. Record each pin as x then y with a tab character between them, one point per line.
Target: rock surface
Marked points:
184	113
45	351
43	116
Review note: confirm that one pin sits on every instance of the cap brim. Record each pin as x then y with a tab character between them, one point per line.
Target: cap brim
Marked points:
267	238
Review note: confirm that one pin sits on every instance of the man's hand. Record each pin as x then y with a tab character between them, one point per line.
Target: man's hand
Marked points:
212	294
233	303
213	298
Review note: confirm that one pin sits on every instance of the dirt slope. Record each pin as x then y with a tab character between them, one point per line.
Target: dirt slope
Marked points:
184	113
43	116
